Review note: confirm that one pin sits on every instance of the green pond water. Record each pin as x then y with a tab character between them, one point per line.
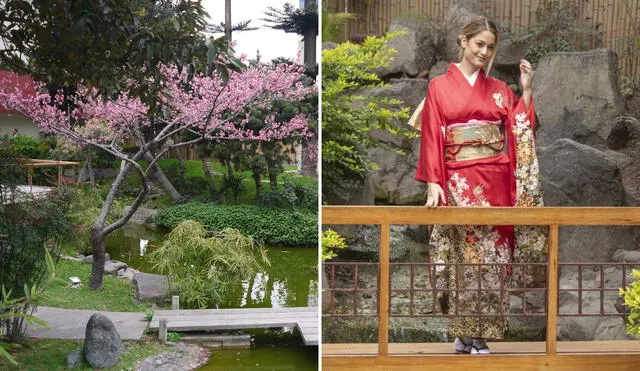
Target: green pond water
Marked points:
290	281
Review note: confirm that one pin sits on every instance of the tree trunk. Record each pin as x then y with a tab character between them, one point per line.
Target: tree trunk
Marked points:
92	177
273	175
209	178
227	19
99	231
160	179
258	181
308	167
181	167
97	249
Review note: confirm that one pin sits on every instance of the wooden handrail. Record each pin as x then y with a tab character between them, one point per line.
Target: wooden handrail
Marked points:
481	215
385	216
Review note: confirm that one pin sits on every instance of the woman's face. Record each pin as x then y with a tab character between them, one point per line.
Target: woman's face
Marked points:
479	50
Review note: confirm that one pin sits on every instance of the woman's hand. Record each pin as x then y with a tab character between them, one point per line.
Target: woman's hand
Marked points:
526	79
526	75
435	195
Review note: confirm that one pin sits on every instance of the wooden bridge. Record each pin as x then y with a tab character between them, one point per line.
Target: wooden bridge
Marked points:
552	355
305	318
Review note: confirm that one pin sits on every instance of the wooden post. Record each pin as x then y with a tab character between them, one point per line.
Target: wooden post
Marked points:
383	292
552	289
175	302
162	330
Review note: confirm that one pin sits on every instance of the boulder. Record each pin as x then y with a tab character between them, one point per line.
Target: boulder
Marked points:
102	346
625	256
89	258
573	174
74	358
415	49
394	181
624	129
577	96
114	267
151	287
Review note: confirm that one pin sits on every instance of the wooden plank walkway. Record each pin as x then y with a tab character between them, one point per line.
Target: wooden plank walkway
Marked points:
305	318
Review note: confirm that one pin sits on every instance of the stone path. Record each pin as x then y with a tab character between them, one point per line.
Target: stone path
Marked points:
71	323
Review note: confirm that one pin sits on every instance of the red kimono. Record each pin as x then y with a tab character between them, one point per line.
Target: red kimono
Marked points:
477	144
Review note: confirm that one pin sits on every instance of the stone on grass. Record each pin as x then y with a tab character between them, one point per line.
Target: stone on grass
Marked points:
102	346
114	266
74	358
151	287
89	258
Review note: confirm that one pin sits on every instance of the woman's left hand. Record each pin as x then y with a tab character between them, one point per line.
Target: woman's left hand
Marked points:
526	74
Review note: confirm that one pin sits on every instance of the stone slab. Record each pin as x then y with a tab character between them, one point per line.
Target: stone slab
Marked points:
71	323
151	287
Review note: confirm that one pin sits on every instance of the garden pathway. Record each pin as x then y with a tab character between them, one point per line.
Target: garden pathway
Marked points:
71	323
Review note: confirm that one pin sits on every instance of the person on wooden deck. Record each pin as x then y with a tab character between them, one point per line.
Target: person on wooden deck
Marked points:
478	149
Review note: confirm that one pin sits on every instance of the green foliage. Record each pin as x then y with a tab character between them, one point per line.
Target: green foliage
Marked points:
331	242
14	310
232	183
348	117
26	146
291	196
557	26
190	185
105	43
203	265
273	227
173	337
631	297
292	19
85	207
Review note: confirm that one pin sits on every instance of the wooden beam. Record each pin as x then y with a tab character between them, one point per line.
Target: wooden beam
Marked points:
383	291
420	215
552	289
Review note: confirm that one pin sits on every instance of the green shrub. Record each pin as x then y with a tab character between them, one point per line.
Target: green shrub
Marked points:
233	183
291	196
332	241
27	147
631	296
270	226
203	265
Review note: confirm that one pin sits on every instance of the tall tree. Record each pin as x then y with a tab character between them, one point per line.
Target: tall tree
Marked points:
300	21
207	106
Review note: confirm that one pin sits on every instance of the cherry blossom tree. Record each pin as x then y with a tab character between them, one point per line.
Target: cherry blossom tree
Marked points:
211	107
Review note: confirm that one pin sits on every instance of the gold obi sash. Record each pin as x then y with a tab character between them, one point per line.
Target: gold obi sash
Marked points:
473	140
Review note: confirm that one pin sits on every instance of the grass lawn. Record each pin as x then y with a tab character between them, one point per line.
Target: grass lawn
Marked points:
117	294
50	354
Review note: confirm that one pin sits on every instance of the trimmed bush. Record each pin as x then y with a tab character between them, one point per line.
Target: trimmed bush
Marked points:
272	227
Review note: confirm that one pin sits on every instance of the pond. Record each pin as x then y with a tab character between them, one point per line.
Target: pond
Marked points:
289	281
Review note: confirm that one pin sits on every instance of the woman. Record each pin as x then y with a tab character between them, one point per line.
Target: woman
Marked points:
477	150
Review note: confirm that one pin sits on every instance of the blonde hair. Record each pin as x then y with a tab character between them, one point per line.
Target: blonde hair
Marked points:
475	26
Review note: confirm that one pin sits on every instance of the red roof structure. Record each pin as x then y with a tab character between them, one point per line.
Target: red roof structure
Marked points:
11	80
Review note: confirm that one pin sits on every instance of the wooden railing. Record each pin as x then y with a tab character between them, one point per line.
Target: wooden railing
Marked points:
385	216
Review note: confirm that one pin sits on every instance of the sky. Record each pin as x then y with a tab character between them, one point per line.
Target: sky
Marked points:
271	43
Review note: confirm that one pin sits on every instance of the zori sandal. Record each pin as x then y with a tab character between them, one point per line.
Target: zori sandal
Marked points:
463	345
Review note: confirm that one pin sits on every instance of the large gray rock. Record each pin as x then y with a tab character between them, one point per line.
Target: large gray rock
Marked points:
573	174
114	267
577	96
151	287
394	179
102	346
415	49
574	328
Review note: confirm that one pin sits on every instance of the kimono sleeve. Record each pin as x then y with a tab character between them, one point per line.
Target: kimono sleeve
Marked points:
430	161
520	119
